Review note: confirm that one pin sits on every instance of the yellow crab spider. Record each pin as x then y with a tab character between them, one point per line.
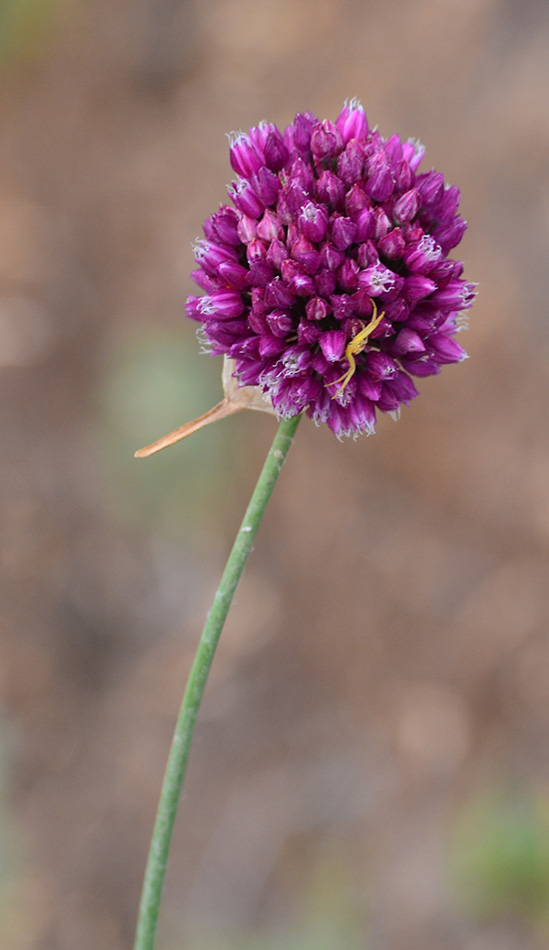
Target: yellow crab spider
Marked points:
356	346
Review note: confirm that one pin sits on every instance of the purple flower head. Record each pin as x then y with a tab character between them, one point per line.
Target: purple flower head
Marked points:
329	283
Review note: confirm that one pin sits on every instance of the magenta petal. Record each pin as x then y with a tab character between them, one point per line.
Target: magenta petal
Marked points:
332	344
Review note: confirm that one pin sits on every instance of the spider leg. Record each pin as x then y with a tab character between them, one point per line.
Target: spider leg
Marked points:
356	346
346	376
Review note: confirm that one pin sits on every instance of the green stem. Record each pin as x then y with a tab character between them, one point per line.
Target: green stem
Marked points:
155	872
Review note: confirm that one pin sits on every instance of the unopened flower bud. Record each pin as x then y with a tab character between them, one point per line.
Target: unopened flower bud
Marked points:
313	221
351	121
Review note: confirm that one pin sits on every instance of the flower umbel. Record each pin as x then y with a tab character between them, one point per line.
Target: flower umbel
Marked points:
329	282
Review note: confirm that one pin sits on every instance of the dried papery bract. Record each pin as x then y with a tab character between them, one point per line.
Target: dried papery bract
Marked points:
236	399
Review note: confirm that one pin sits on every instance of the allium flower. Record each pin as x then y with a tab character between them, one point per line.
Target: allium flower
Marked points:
327	287
329	282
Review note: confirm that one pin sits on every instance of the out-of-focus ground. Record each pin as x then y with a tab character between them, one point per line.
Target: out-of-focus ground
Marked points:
371	763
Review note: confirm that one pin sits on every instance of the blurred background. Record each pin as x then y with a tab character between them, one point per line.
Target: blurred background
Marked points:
370	769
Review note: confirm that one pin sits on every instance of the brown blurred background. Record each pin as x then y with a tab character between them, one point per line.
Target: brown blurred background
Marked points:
370	769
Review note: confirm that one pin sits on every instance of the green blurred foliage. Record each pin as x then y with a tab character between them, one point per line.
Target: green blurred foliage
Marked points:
330	917
3	817
12	851
500	856
154	383
24	27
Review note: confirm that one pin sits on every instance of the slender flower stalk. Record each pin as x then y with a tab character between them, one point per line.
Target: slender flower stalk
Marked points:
179	752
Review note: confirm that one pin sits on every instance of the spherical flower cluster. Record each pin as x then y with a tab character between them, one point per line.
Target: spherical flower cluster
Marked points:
328	282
